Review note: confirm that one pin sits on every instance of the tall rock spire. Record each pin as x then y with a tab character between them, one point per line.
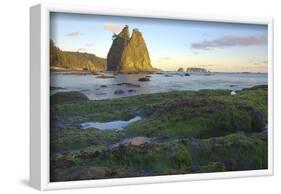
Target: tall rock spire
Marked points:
129	55
120	41
135	56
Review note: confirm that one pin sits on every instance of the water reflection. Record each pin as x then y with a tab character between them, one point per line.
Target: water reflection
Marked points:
98	88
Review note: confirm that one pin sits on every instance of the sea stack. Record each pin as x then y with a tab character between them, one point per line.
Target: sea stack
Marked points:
114	55
130	55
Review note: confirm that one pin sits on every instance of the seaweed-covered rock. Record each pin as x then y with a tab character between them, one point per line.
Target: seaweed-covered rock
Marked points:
144	79
99	172
256	87
73	96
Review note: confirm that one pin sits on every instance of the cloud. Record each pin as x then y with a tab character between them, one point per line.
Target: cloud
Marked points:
231	40
74	34
259	62
115	28
165	58
89	44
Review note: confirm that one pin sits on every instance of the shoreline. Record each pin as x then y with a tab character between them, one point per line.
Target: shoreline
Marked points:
62	90
55	69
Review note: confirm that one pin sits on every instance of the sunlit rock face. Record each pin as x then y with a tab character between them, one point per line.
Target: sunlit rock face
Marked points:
120	41
135	57
129	55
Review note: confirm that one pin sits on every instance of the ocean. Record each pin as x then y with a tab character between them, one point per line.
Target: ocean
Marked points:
122	85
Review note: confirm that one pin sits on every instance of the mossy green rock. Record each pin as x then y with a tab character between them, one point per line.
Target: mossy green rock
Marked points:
63	97
180	132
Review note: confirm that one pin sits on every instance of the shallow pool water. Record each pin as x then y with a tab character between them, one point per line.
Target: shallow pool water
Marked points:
112	125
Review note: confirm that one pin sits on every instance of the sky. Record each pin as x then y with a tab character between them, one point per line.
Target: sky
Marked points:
215	46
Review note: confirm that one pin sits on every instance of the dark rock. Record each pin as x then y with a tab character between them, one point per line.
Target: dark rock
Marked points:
118	92
116	50
84	154
265	132
236	144
103	86
180	69
98	172
144	79
257	121
131	90
63	163
56	88
186	74
129	84
257	87
101	94
230	164
105	76
73	96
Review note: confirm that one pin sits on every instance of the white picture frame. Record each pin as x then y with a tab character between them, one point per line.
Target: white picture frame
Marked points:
39	101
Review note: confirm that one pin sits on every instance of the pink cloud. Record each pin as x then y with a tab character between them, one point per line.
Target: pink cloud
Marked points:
231	40
115	28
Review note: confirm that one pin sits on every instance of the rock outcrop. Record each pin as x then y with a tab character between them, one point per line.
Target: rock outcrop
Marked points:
129	55
72	96
114	55
75	60
180	69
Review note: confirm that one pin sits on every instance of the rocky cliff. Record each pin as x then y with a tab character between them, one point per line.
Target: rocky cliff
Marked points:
120	41
75	60
129	55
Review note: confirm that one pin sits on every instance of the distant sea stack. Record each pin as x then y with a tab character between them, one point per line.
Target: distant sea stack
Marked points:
129	55
196	69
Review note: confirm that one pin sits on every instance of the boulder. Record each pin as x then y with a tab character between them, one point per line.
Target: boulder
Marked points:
118	92
131	90
99	172
105	76
144	79
180	69
73	96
